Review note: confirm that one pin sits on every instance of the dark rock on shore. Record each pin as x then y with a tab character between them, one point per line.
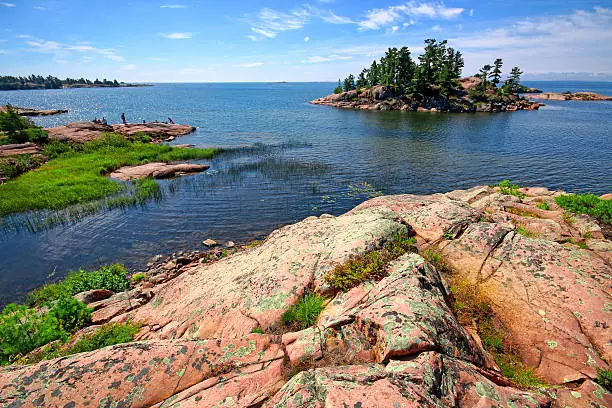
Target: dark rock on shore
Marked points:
82	132
388	98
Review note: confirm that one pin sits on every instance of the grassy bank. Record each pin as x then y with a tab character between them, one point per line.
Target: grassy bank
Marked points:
77	174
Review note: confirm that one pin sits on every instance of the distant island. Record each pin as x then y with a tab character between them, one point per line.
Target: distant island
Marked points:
11	83
433	84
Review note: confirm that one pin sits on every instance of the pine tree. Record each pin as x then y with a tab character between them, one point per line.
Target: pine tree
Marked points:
497	71
349	83
484	76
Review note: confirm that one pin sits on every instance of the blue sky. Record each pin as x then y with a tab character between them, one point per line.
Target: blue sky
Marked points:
319	40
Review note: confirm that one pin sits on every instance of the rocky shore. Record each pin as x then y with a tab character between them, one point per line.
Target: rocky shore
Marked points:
387	98
35	112
568	96
82	132
213	335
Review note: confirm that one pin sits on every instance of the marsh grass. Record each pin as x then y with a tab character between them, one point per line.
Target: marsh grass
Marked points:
78	175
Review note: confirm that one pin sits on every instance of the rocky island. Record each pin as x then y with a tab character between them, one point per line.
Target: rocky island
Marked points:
489	297
434	84
11	83
34	112
569	96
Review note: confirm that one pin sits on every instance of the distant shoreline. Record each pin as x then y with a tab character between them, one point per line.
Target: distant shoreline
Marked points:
75	86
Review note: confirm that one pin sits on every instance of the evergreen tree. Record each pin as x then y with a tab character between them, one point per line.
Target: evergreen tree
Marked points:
497	71
349	83
373	76
483	74
362	82
338	88
513	82
405	69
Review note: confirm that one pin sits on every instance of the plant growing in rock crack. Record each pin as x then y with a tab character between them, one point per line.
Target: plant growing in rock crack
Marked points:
604	378
543	205
588	204
506	187
138	277
471	305
369	266
525	232
305	312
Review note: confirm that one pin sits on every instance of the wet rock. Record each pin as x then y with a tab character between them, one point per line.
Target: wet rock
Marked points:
157	170
209	243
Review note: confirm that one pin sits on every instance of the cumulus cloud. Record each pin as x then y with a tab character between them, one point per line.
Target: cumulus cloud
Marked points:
5	4
176	36
384	17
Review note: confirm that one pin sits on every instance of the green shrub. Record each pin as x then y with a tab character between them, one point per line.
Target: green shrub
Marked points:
138	277
258	330
506	187
305	312
55	148
107	335
12	167
370	266
71	314
111	277
588	204
543	205
20	129
604	378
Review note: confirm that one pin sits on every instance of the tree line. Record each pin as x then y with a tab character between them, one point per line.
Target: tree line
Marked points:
49	82
437	70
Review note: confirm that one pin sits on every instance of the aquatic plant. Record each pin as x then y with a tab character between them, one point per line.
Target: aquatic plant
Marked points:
75	177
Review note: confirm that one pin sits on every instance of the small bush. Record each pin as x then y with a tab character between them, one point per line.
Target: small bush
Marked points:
111	277
138	277
370	266
305	312
543	206
12	167
506	187
588	204
55	148
258	330
20	129
71	314
604	378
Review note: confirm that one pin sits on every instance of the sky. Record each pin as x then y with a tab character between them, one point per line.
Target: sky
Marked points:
288	40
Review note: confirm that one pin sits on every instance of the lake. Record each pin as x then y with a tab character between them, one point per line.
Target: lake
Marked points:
297	160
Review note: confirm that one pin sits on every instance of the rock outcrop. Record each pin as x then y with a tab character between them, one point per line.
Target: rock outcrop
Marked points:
388	343
20	148
82	132
578	96
35	112
157	170
388	98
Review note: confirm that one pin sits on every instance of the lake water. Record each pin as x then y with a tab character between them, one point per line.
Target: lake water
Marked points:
304	160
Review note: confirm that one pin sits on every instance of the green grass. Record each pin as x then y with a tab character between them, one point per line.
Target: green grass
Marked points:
370	266
506	187
258	330
543	205
78	175
588	204
111	277
604	378
305	312
525	232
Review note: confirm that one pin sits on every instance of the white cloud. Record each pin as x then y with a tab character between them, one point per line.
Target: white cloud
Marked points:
383	17
471	12
39	8
2	3
436	28
253	38
318	59
4	52
330	17
62	62
250	65
173	6
128	67
113	57
176	36
306	39
546	44
270	22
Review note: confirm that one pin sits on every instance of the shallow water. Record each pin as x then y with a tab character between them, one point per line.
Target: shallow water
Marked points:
307	160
